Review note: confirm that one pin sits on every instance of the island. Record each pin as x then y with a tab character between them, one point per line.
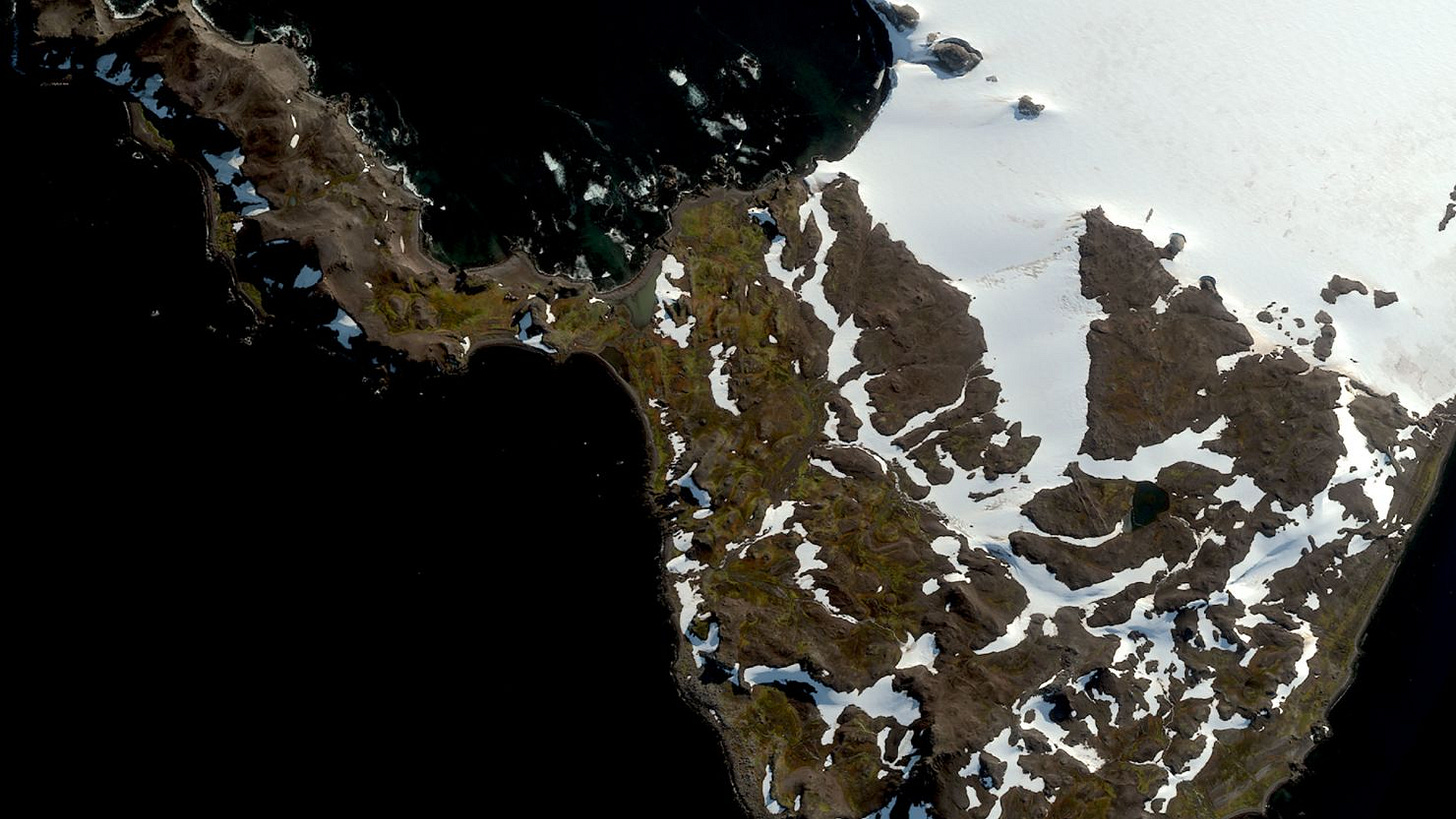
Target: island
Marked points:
891	589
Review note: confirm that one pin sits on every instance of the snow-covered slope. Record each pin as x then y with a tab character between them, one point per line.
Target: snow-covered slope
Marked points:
1287	141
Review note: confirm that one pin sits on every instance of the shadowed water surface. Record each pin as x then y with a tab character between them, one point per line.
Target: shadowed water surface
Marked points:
301	572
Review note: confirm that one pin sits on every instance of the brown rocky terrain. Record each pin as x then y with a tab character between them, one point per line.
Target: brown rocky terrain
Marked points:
1151	369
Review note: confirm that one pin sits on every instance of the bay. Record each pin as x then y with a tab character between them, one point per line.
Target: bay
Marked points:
570	135
304	574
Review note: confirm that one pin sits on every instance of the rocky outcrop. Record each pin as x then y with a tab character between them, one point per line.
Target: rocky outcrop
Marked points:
1352	496
902	17
1119	267
1027	108
1282	428
1086	507
954	55
1152	373
918	341
1325	343
1339	286
1380	419
1385	297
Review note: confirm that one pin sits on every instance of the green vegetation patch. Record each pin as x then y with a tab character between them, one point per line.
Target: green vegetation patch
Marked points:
251	292
223	236
408	306
151	130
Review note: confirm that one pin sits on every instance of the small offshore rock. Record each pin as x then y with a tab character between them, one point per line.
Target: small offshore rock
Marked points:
1384	297
903	17
1027	108
955	55
1265	316
1323	318
1176	241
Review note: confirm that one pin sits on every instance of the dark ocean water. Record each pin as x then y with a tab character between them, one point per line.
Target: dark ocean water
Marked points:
477	99
291	573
